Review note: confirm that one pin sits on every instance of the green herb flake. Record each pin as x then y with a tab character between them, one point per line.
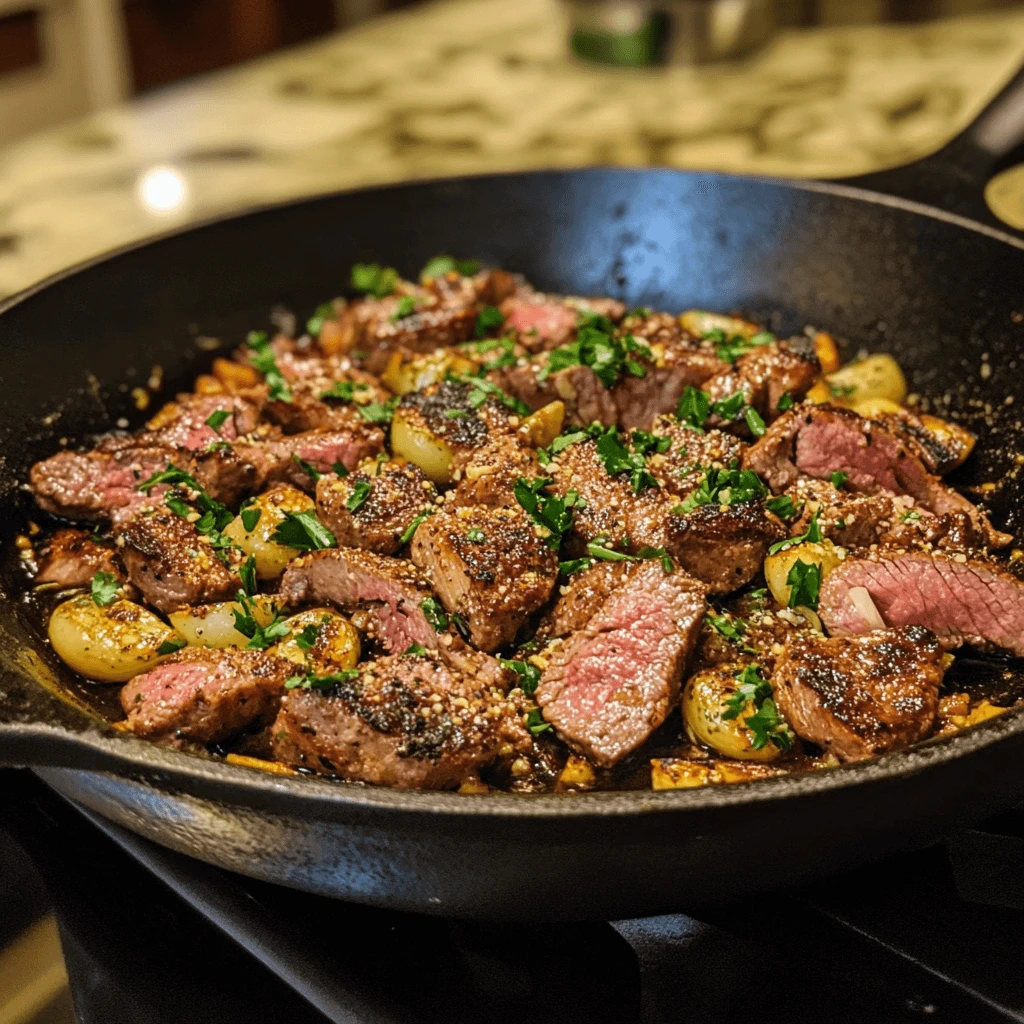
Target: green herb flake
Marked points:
247	574
340	469
661	555
378	412
250	517
766	724
476	536
804	581
435	614
456	414
546	510
730	347
618	459
723	487
311	682
304	532
731	628
528	673
373	279
575	565
306	639
910	517
729	408
811	535
104	588
261	356
441	265
490	318
646	443
323	313
217	419
782	506
307	467
535	722
344	390
754	422
406	307
360	492
785	402
410	531
838	478
414	650
694	408
597	347
172	645
841	390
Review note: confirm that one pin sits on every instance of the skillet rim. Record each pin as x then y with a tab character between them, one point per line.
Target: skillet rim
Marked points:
132	757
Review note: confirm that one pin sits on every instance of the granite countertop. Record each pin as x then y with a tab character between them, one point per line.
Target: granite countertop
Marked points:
467	86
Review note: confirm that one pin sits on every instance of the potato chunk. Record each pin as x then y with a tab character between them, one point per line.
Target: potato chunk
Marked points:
271	558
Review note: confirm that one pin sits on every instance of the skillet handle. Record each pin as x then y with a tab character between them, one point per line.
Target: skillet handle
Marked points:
954	178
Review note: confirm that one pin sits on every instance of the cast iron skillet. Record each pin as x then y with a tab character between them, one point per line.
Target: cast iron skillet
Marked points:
941	290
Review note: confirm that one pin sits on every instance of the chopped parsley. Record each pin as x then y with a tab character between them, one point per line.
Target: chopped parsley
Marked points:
172	645
535	722
597	549
766	724
311	682
597	347
506	348
214	516
547	510
441	265
306	639
841	390
340	469
373	279
646	443
574	565
754	422
104	588
838	478
617	459
731	628
260	637
730	347
247	574
171	475
250	517
360	492
782	506
476	536
344	390
729	408
217	419
804	581
406	307
785	402
528	673
667	565
563	441
414	650
694	408
304	532
307	467
490	318
262	358
812	535
434	613
480	390
724	487
379	412
322	313
456	414
641	311
910	517
410	530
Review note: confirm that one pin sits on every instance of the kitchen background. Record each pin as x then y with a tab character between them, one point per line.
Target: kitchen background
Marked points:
123	118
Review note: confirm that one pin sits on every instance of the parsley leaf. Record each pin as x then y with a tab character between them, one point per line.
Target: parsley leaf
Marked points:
574	565
535	722
104	588
694	408
217	419
480	390
373	279
730	347
838	478
528	673
378	412
840	390
344	390
441	265
406	307
729	408
782	506
547	510
597	346
724	487
667	565
605	554
476	536
409	532
785	402
646	443
360	492
307	467
812	535
311	682
262	358
306	639
414	650
323	313
304	532
250	517
247	574
909	517
731	628
171	475
618	459
766	724
434	613
490	318
754	421
172	645
340	469
804	581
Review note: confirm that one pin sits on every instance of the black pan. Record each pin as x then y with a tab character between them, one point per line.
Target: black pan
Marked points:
940	290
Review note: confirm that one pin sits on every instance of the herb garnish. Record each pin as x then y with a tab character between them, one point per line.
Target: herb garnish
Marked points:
217	419
441	265
724	487
247	574
812	535
547	510
841	390
766	724
785	402
415	650
373	279
838	478
563	441
730	347
262	359
323	312
434	614
535	722
306	639
476	536
406	307
804	581
908	517
307	467
378	412
529	674
311	682
172	645
693	408
575	565
410	530
250	516
340	469
618	459
597	346
490	318
304	532
480	390
731	628
360	492
754	422
214	516
104	588
344	390
260	637
782	506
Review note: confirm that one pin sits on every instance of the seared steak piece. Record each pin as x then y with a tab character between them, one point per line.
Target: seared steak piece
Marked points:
409	721
723	545
766	373
847	518
99	484
821	440
488	566
683	465
860	696
390	589
183	422
488	475
205	695
426	329
585	593
310	380
609	686
960	600
941	446
372	509
543	322
171	563
72	557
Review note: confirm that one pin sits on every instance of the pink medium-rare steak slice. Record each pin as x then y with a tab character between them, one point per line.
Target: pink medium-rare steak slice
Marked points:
205	695
860	696
391	590
960	600
609	686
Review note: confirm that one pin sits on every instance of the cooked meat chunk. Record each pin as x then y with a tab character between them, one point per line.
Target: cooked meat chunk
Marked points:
372	508
391	590
821	440
171	563
205	695
186	422
489	566
940	445
72	557
488	475
450	411
723	545
585	593
543	322
99	484
860	696
683	465
609	686
961	600
766	373
409	721
313	404
847	518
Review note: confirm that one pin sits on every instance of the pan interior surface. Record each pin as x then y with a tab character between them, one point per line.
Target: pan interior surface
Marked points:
939	295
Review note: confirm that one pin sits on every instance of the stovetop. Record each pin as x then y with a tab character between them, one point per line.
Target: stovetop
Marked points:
151	936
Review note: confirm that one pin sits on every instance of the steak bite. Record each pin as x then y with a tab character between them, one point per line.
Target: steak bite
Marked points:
72	557
581	598
390	590
691	453
373	508
204	695
488	475
860	696
172	564
409	721
488	566
194	421
542	322
609	686
960	600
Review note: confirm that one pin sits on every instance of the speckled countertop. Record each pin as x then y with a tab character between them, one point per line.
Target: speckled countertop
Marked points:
465	86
